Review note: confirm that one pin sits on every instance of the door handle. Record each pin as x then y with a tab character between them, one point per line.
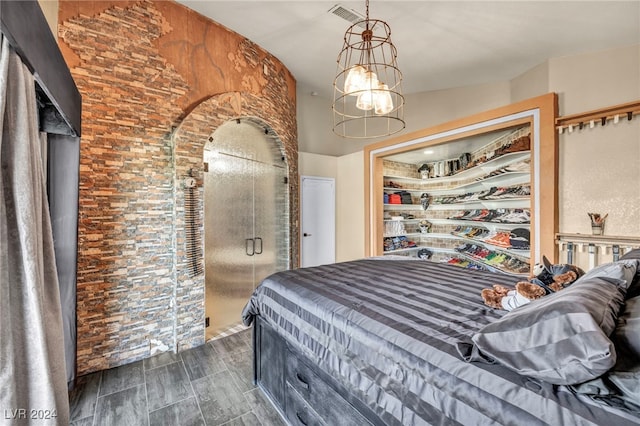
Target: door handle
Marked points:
306	235
303	382
301	418
254	245
249	243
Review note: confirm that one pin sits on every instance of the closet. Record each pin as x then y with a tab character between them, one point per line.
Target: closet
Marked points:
479	192
466	202
245	214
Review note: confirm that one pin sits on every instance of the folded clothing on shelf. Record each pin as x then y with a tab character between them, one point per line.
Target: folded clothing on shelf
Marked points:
405	197
395	199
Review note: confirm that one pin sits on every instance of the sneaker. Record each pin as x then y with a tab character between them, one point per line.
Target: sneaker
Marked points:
500	239
517	216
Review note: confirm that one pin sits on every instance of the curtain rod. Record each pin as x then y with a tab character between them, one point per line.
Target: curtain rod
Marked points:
600	116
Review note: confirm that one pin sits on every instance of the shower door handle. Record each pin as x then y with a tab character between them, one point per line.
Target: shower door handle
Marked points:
254	245
249	243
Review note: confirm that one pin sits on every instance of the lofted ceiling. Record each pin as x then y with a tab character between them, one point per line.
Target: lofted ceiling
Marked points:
441	44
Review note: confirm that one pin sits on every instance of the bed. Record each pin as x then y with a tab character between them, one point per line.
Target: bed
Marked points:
390	341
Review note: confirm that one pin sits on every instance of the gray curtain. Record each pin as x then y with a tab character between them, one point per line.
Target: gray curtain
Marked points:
33	387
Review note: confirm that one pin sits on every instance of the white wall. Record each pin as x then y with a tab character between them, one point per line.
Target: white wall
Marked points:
315	119
348	171
317	165
599	168
532	83
50	11
350	207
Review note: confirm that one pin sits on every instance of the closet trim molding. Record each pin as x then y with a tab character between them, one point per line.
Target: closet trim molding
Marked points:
24	24
541	111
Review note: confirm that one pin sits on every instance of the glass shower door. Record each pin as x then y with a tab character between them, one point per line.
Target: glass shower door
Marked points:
246	215
268	183
229	233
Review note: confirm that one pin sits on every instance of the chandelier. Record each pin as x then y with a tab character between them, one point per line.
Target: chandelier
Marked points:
367	95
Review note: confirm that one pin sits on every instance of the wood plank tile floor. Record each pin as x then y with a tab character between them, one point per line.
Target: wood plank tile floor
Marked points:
208	385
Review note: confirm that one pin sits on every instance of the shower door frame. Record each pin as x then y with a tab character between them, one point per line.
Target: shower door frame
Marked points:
246	226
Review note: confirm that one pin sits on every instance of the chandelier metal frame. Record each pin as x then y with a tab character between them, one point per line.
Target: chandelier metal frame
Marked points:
373	106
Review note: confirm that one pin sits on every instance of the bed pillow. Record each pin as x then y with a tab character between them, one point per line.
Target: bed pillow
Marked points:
633	254
562	338
622	382
634	288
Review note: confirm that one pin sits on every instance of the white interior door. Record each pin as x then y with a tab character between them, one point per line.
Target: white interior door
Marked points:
318	221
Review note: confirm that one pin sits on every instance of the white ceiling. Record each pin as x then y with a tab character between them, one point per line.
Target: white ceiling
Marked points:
441	44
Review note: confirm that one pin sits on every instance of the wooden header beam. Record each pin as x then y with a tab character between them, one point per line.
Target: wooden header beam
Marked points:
24	24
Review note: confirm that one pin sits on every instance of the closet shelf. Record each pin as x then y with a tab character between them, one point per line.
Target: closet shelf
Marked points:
490	267
403	206
514	203
524	255
503	179
433	249
475	171
427	235
404	234
492	226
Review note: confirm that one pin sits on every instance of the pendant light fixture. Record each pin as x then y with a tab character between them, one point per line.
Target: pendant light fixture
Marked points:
367	92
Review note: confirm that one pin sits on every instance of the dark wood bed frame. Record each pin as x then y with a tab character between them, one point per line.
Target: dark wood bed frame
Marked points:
301	392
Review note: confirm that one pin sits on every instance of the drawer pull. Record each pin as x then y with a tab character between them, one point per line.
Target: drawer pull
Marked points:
301	418
303	381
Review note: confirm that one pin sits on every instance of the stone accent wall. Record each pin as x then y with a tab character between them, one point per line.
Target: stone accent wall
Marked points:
142	67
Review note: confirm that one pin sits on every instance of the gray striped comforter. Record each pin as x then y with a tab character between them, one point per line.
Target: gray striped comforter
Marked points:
388	330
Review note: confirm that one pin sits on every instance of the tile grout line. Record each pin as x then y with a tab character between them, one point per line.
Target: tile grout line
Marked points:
95	406
238	385
180	361
146	394
195	396
225	353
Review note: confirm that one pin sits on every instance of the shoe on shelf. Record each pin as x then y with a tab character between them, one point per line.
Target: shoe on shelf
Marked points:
517	216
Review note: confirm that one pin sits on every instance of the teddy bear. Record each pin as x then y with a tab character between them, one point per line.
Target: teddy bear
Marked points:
546	279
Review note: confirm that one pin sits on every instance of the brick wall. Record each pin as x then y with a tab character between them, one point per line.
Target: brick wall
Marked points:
141	68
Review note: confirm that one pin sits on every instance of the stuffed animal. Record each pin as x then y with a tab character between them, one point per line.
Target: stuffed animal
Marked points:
546	279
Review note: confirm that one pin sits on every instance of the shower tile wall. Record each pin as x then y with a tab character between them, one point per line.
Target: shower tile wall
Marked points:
141	67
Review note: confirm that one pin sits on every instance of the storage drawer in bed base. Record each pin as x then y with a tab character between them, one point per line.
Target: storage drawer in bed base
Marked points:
305	394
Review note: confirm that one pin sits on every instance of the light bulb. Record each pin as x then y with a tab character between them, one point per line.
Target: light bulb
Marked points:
383	101
370	81
365	100
355	80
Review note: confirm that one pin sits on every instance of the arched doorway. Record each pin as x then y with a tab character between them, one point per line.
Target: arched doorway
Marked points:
246	217
188	141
